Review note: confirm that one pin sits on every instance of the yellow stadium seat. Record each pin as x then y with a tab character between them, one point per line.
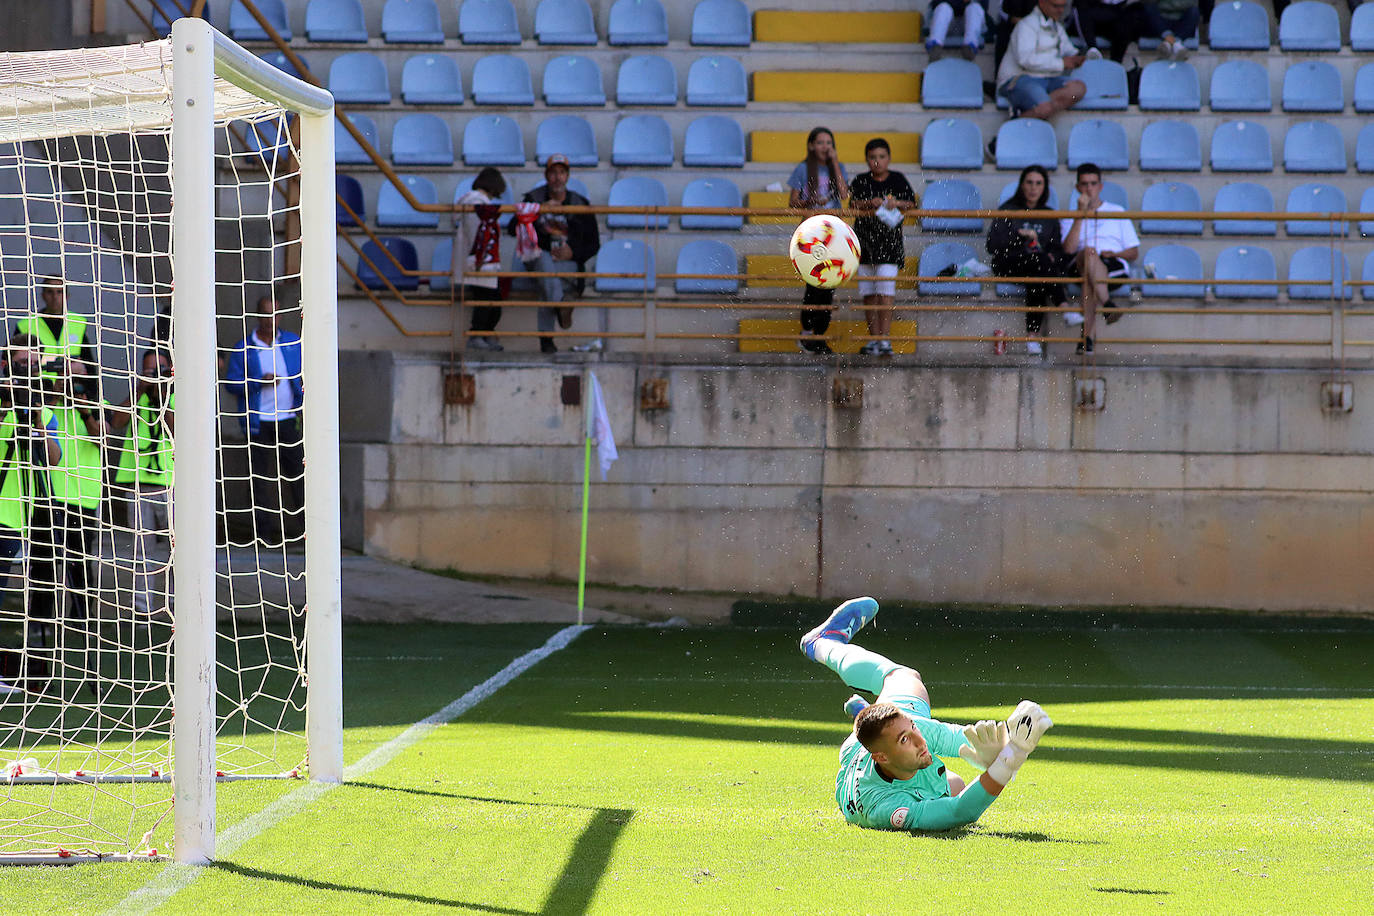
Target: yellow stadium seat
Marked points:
860	88
799	27
770	199
790	145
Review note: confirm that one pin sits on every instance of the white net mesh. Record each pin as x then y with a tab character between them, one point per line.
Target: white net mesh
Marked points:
87	442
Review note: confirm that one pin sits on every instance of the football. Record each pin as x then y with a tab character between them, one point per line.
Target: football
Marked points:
825	251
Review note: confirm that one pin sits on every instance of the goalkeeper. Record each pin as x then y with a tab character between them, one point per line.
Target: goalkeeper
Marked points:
889	778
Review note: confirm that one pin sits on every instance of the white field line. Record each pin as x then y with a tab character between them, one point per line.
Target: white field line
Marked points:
176	877
1031	685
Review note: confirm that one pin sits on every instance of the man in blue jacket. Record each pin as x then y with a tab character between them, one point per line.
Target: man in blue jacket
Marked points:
264	373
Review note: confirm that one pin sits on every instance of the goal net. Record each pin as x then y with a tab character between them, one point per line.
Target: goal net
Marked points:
169	607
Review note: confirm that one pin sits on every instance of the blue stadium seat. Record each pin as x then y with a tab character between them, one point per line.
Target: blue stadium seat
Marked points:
714	140
421	139
1010	188
1025	141
717	80
1238	25
431	79
951	194
283	63
375	269
493	140
1309	25
394	210
564	22
637	191
707	256
1176	196
1170	85
441	264
347	151
1314	146
507	197
721	23
1112	193
1312	85
1318	272
267	140
1170	146
1244	197
942	256
1240	85
569	135
359	78
711	192
1364	85
573	80
637	22
502	79
1367	276
165	12
952	143
952	83
488	22
1315	198
1245	262
1364	149
411	22
350	191
646	79
1362	29
335	20
1367	206
1099	141
625	256
642	140
1106	84
1173	262
1242	146
243	27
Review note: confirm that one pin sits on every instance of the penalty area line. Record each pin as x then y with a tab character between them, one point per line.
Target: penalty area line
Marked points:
176	877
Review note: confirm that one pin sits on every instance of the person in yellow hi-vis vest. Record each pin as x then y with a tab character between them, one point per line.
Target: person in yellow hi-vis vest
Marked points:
144	473
59	334
29	445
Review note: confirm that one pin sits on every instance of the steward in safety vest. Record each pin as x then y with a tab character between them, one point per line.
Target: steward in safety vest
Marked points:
29	444
60	335
150	414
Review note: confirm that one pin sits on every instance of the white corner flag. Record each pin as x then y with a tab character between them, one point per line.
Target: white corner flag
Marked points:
599	429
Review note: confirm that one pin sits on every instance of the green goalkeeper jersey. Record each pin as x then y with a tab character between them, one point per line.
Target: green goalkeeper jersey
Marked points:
922	802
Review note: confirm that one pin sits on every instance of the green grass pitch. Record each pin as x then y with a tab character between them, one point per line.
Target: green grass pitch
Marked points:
1224	769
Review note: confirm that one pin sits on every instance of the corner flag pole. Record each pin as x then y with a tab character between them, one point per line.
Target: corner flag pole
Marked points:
586	480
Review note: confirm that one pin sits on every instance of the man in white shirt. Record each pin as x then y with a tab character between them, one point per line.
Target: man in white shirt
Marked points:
1033	76
1099	250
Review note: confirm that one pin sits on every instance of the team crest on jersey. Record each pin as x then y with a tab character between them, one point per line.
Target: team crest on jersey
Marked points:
899	817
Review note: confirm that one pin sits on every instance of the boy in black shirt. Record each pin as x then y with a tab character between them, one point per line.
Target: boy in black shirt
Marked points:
882	197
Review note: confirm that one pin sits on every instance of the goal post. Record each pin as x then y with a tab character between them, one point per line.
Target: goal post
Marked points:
161	165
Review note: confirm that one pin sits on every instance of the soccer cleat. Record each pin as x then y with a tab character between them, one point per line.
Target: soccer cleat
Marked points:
841	625
855	705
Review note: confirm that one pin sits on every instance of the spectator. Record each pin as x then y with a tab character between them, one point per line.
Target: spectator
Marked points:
1098	250
1006	15
942	13
264	373
29	445
566	243
880	196
478	244
818	182
58	334
144	474
1026	245
1121	22
1033	75
1173	22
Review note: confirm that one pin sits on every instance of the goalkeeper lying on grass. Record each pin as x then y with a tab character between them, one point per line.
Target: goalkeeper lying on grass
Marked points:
889	778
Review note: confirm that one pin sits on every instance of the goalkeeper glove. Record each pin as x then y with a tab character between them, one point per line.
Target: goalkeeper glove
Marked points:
985	741
1025	727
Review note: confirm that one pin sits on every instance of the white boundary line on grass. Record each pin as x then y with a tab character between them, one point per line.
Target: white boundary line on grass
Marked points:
177	877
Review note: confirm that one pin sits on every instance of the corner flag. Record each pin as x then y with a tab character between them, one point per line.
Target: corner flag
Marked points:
599	429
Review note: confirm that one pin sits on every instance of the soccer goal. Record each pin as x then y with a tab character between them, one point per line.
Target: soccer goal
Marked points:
170	613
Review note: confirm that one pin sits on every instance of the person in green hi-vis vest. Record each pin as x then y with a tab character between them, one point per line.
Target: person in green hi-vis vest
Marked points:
29	445
144	473
60	335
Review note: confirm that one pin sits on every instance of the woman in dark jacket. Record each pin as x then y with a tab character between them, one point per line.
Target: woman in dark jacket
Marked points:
1030	246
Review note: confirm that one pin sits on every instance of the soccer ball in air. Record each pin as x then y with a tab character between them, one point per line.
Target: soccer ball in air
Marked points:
825	251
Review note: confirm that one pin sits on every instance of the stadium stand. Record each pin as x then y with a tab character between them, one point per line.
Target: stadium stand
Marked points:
723	23
1098	141
441	263
1314	146
1312	85
1363	94
714	141
1362	28
569	135
646	79
1242	146
1315	198
1106	86
1309	25
1364	150
421	139
359	78
642	140
571	79
283	63
637	22
347	151
1245	262
706	256
625	256
1367	206
1243	197
564	22
1026	141
431	79
502	79
1173	262
711	192
488	22
1318	272
335	20
1240	85
350	193
1176	196
1170	146
952	83
164	12
717	80
952	143
243	27
637	191
493	140
945	256
411	22
1367	276
951	194
1238	26
1170	85
375	270
393	210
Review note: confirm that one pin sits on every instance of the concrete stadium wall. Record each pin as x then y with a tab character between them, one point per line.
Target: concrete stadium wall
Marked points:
1204	487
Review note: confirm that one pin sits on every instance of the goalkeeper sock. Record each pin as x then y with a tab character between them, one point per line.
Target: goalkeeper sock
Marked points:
855	665
1004	768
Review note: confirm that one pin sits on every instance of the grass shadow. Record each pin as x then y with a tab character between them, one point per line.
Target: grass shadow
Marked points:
1019	836
258	874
